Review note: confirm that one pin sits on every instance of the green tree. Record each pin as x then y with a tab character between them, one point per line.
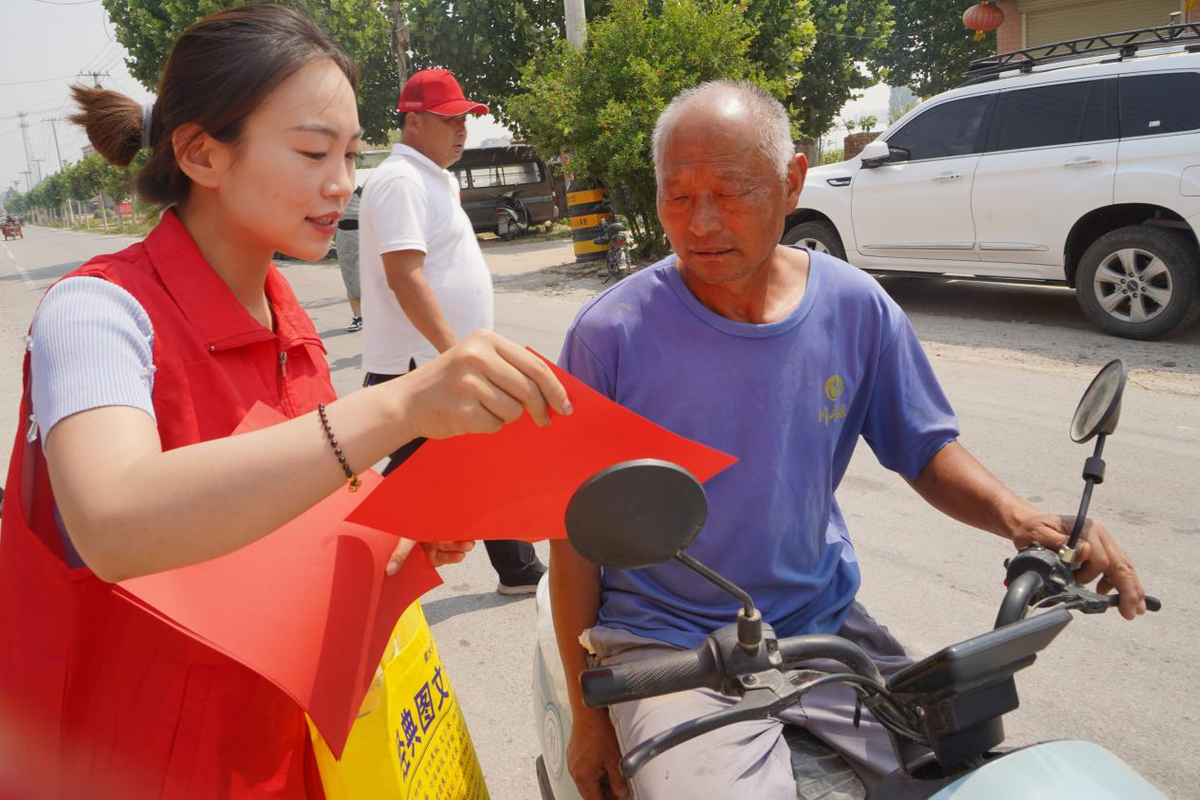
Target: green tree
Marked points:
930	48
37	198
783	37
600	104
148	28
56	190
17	202
87	177
850	37
117	182
364	30
486	43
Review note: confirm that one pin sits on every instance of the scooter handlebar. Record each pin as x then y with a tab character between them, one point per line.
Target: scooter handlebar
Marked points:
650	677
798	649
1152	603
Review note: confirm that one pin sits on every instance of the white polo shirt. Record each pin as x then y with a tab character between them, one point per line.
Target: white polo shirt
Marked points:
410	203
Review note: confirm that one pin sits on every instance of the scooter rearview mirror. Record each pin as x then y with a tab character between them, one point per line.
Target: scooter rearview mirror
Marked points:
636	514
1100	408
1096	416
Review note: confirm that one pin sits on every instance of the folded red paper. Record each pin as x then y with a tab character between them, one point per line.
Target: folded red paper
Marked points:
516	484
308	606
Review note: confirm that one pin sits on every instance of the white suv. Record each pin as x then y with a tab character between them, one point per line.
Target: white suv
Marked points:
1084	172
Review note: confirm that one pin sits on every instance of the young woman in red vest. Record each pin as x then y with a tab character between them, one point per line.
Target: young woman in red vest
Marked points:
141	364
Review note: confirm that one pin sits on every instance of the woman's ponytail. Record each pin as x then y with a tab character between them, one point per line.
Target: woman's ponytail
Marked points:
113	123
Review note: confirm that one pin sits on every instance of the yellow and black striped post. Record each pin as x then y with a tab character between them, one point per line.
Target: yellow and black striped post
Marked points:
583	209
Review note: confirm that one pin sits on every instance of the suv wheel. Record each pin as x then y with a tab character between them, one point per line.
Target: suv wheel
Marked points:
818	236
1140	282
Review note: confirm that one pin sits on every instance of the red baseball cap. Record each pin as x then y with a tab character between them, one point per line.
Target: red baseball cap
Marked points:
437	91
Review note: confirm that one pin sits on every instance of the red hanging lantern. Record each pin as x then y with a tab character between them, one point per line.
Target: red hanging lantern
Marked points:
982	17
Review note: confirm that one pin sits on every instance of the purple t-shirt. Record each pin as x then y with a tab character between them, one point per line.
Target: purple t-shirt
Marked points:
790	400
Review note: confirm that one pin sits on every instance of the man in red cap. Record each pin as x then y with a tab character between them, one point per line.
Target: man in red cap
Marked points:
425	284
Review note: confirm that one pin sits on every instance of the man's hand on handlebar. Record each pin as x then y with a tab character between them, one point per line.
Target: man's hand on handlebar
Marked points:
1098	555
594	757
956	483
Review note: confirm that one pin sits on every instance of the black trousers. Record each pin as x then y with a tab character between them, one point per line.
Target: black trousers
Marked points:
515	562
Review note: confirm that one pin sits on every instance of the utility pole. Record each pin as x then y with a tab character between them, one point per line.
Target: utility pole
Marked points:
104	209
58	152
583	194
37	165
25	140
575	20
95	76
27	173
400	40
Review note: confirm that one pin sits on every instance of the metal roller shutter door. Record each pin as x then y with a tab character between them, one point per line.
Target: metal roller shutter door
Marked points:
1055	21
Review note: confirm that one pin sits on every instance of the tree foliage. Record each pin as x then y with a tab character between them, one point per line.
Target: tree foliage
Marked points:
930	48
486	43
851	35
87	177
784	34
80	181
600	104
148	28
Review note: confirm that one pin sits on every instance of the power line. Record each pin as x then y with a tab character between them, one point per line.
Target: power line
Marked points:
72	3
68	106
29	113
101	52
41	25
114	61
39	80
104	23
43	146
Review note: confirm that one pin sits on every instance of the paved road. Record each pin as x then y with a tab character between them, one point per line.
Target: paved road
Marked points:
1013	361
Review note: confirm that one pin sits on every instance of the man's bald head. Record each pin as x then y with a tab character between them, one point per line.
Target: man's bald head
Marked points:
735	103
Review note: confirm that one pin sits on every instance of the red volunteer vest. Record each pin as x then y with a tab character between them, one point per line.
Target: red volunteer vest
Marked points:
99	698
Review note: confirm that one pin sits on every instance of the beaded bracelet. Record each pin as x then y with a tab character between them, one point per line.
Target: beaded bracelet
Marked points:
351	478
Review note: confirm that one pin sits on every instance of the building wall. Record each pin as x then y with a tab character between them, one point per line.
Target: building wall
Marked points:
1008	35
1029	23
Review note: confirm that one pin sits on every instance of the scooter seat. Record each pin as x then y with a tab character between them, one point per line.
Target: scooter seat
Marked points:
821	774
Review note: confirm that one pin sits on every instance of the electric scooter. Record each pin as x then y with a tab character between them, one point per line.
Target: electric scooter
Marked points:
943	713
614	236
512	217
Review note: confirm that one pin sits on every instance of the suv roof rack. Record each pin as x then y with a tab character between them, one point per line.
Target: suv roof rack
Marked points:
1126	42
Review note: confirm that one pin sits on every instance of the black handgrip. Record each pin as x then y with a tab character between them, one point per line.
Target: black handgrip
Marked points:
1152	603
650	677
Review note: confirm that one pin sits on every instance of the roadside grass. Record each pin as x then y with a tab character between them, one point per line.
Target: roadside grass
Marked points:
538	233
140	228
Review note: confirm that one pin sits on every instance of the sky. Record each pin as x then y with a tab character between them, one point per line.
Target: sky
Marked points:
44	46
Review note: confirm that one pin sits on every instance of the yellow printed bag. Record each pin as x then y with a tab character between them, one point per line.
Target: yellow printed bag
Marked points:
410	739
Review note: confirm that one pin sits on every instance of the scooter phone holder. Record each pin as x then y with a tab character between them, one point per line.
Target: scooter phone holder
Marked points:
963	691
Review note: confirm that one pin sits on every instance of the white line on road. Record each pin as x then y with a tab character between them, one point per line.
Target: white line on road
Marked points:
17	266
